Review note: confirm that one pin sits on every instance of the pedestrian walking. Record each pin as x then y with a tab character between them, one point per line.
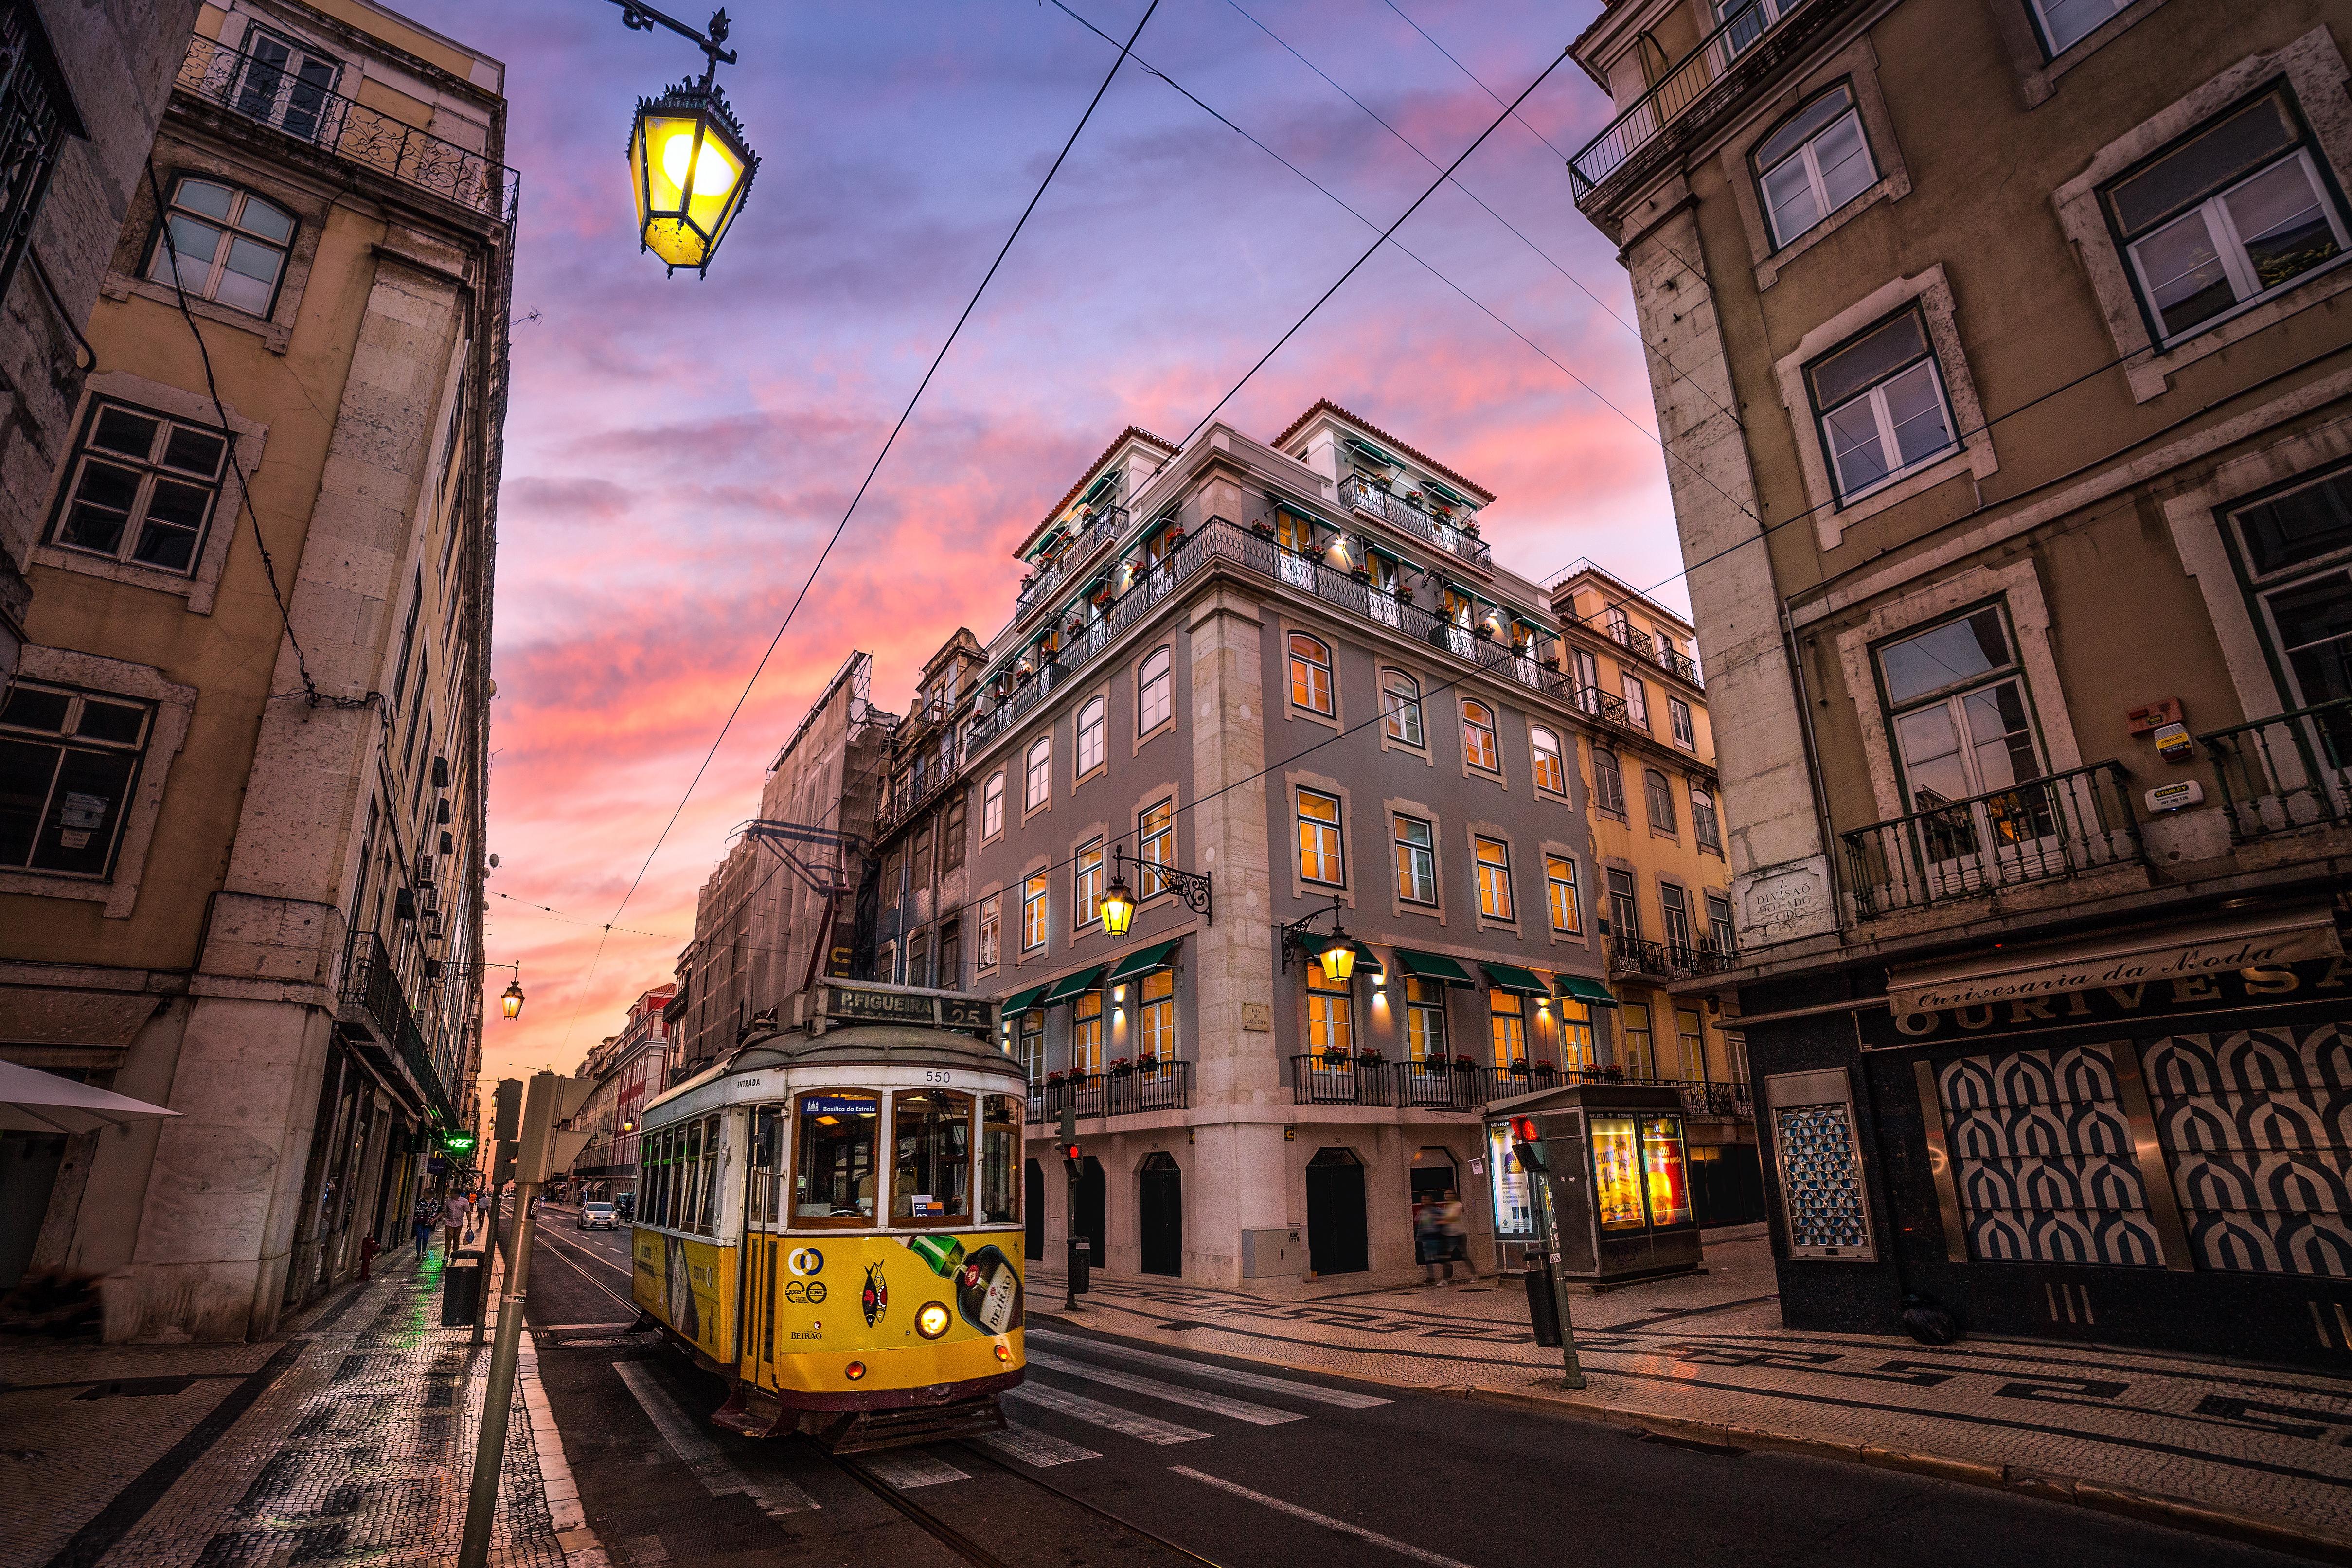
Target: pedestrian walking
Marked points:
456	1218
1453	1240
1426	1244
421	1224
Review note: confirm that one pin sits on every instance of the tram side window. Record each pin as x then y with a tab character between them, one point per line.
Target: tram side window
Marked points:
833	1174
669	1179
1000	1160
657	1149
706	1214
768	1128
930	1182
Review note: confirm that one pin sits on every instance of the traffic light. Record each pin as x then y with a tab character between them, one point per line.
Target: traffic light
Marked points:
1072	1160
1528	1143
502	1162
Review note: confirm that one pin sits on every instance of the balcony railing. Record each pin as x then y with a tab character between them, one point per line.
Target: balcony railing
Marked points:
304	110
1106	525
1753	39
1466	1087
1357	491
2044	830
1145	1087
372	984
1219	540
2281	774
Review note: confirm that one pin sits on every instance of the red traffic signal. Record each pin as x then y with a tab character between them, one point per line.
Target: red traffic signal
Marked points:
1070	1152
1528	1143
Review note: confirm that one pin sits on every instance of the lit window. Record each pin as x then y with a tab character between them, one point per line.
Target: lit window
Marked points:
991	805
1157	1017
1094	721
1087	883
1880	400
1040	767
67	764
1032	913
1495	880
2236	212
142	487
1310	675
1552	773
1559	888
1155	692
1087	1033
1424	1016
1507	1014
1478	746
230	244
1155	837
1320	855
1576	1035
1813	164
1400	707
1331	1013
1416	860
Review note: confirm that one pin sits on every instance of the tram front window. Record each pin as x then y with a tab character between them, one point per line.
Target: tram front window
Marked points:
931	1171
1000	1160
834	1179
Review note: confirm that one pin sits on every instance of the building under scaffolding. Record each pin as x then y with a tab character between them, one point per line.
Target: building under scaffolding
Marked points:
780	910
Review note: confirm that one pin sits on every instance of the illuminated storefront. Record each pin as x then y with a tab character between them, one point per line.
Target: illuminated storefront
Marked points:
1619	1182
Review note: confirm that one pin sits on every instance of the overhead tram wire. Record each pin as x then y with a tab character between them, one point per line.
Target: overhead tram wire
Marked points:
904	414
1517	233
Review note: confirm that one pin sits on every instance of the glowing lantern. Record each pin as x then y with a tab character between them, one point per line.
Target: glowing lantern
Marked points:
691	167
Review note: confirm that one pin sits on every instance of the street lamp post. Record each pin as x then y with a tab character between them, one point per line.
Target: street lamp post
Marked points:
688	160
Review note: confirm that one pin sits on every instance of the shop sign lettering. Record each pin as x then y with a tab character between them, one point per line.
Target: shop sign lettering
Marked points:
2187	959
2152	996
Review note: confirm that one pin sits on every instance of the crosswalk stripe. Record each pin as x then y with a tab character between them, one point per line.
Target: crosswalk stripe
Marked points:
1095	1413
907	1468
1374	1537
1346	1399
1032	1447
1215	1404
697	1453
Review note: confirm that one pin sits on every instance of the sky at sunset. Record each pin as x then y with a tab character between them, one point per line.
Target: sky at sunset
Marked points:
678	449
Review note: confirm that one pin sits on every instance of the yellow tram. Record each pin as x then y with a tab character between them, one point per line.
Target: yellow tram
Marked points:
830	1218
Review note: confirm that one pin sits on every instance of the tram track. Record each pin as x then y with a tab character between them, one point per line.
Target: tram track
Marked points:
563	1250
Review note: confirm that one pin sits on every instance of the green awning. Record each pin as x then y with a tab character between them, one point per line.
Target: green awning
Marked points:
1367	960
1101	484
1070	985
1142	962
1358	444
1445	491
1432	966
1511	977
1577	988
1374	547
1022	1001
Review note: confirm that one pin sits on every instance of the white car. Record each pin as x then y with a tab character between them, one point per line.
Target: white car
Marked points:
598	1216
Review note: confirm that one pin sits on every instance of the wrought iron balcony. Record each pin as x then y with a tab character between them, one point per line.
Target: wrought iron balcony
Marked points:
373	989
1737	57
1463	1086
1357	491
2039	831
1105	526
1630	957
274	95
2284	774
1140	1087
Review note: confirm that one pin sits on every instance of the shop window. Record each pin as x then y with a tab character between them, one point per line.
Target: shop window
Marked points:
230	246
930	1162
1881	405
1817	161
1416	859
142	489
1330	1014
68	762
1321	854
2231	215
833	1174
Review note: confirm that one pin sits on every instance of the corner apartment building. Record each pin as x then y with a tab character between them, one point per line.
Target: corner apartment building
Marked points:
83	88
1293	671
1663	901
245	751
628	1069
915	930
2000	353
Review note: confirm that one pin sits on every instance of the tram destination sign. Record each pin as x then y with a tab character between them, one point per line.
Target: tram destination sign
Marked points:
843	1003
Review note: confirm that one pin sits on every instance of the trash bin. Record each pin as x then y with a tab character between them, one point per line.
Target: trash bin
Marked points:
461	1290
1082	1251
1543	1307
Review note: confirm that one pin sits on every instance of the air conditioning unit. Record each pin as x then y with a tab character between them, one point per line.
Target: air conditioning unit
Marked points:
424	869
428	900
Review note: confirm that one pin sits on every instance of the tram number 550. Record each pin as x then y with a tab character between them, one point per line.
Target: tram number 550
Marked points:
935	1075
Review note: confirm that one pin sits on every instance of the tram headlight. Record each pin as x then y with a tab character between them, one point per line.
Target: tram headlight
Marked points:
931	1319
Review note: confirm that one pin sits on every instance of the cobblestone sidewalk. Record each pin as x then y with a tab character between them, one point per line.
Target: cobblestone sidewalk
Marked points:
348	1440
1707	1355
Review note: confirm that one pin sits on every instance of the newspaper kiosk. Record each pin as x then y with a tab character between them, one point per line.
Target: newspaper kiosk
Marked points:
1617	1185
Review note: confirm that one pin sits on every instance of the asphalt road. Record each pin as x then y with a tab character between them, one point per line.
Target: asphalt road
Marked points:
1202	1459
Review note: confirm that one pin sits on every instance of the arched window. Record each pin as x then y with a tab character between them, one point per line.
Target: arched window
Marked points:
1094	720
1479	745
1155	691
1704	825
231	245
1041	772
1661	800
1552	773
1608	783
1813	164
991	805
1400	707
1310	675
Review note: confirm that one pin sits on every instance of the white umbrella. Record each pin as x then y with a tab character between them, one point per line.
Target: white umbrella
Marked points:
36	1101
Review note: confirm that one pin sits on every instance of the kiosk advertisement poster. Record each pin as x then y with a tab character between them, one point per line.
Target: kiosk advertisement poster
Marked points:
1514	1210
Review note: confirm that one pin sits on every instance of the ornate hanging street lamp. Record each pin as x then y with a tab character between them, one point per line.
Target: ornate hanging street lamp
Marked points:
1335	952
687	158
510	999
1119	900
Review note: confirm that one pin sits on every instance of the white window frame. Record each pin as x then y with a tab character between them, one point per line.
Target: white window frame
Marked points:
1637	698
1042	883
1400	712
1883	420
1542	744
2229	249
1092	736
2047	37
1155	695
1678	719
1038	774
1424	853
991	805
1807	151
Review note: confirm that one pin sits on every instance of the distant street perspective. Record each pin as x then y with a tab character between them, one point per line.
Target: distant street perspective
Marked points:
1103	783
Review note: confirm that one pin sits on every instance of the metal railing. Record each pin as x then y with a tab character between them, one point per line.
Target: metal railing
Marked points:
2288	772
372	984
1107	524
2043	830
306	111
1140	1087
1219	541
1631	955
1357	491
1705	75
1329	1079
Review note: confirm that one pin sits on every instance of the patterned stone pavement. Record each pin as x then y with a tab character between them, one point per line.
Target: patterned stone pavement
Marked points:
348	1440
1711	1350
